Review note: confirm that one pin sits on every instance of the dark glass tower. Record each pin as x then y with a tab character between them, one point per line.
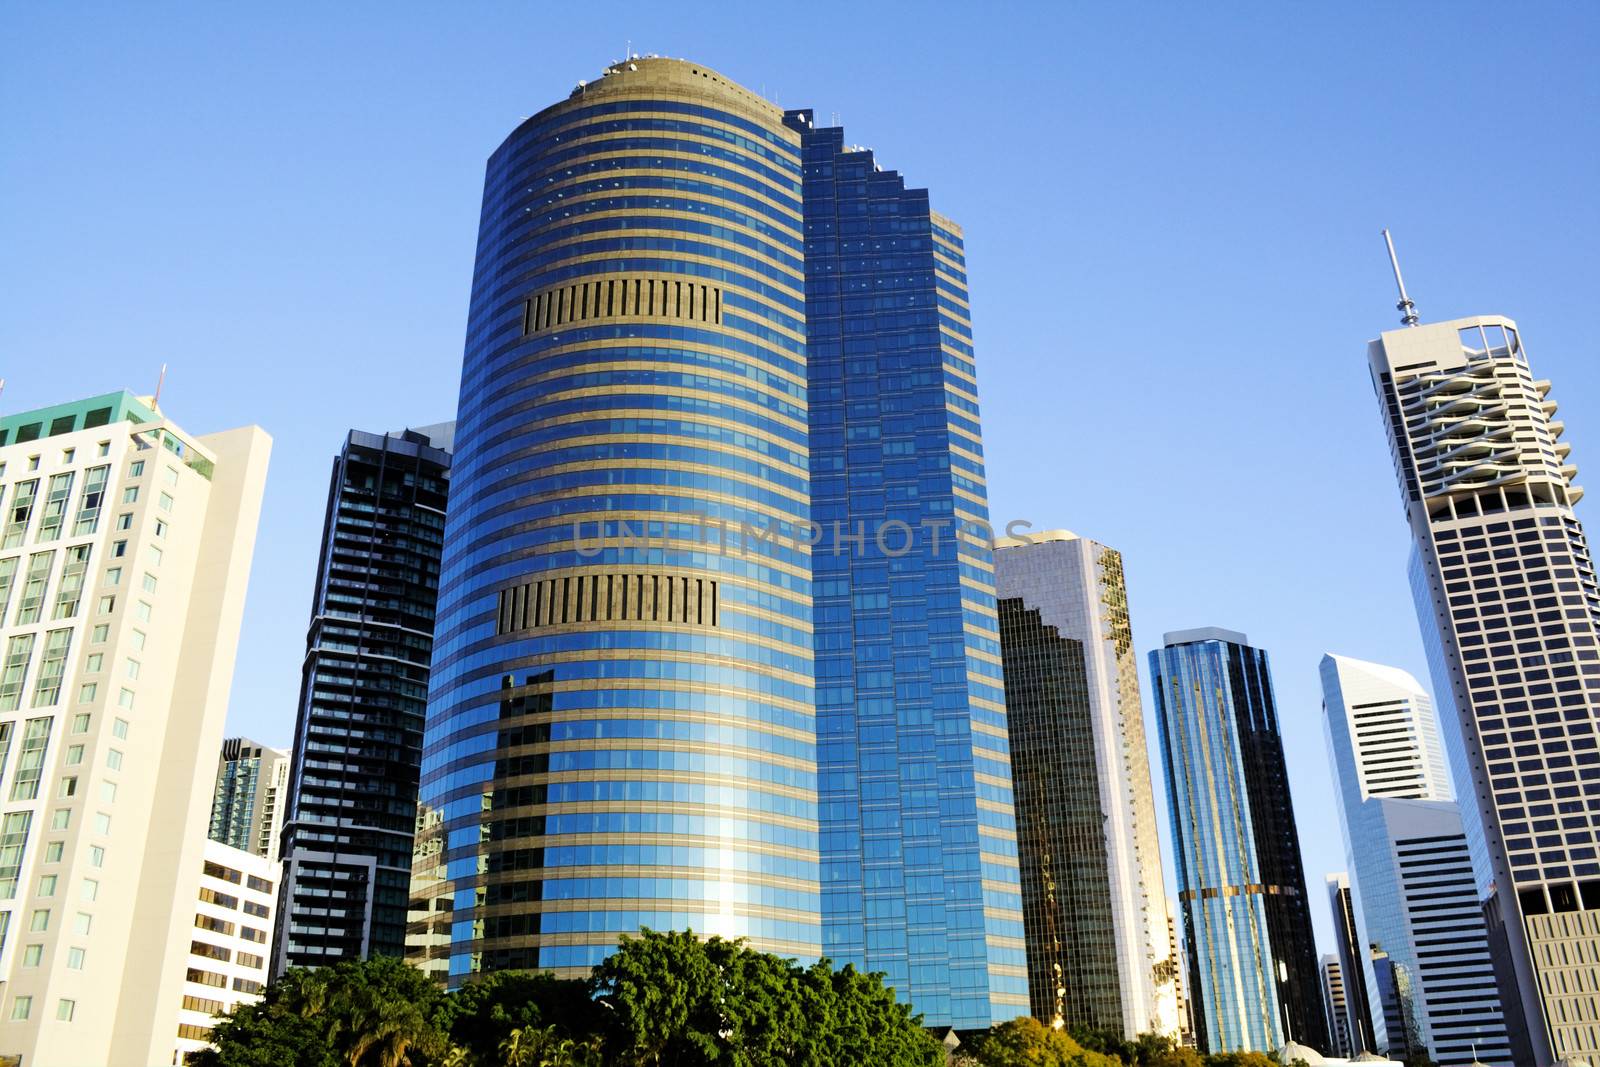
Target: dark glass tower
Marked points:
920	875
621	729
347	836
1252	962
1073	967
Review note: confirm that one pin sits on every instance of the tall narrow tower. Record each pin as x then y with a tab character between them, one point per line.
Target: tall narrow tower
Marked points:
1509	605
1410	873
920	876
1094	899
352	807
1247	923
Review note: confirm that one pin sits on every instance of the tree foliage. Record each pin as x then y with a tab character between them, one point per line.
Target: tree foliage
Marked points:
662	999
673	999
377	1013
1026	1042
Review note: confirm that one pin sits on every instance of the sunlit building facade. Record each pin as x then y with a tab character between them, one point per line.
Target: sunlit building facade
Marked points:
1413	890
1509	605
919	844
351	813
1094	901
1247	922
125	550
621	728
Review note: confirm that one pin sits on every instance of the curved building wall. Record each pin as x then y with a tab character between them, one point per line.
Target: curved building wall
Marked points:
621	725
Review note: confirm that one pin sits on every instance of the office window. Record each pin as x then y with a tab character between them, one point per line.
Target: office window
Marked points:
52	666
19	651
82	922
164	502
61	819
67	787
136	639
30	758
114	576
18	514
94	498
74	755
53	851
142	611
13	841
80	723
65	1009
8	578
114	759
86	692
93	662
54	513
161	528
107	605
149	582
89	890
130	495
40	920
136	468
125	698
99	634
47	885
69	593
108	792
31	604
119	728
102	823
75	958
21	1008
97	856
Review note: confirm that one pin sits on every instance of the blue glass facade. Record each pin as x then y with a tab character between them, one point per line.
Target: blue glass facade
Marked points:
919	852
1252	964
621	725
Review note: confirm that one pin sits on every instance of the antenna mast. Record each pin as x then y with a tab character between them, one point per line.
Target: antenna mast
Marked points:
1408	310
155	401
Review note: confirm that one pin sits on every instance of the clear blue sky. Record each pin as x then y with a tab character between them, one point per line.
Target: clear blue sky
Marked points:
1172	222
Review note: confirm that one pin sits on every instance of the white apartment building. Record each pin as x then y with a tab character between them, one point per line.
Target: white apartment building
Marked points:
1077	586
232	935
251	794
125	547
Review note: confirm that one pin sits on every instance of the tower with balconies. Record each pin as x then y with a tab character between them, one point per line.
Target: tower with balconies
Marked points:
1509	605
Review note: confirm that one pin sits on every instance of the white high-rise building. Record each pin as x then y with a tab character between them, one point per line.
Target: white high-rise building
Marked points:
125	547
251	792
1411	879
1076	586
1509	604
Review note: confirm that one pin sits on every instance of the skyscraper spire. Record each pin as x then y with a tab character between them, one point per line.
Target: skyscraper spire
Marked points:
1408	310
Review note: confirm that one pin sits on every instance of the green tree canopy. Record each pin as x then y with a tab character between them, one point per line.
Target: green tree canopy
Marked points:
1026	1042
373	1013
671	998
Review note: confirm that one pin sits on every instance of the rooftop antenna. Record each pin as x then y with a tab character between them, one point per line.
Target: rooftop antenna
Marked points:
155	401
1408	310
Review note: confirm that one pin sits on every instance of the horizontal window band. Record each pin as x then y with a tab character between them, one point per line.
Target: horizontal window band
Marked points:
619	298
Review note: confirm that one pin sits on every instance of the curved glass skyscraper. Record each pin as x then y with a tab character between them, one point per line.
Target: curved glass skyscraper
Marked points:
621	723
